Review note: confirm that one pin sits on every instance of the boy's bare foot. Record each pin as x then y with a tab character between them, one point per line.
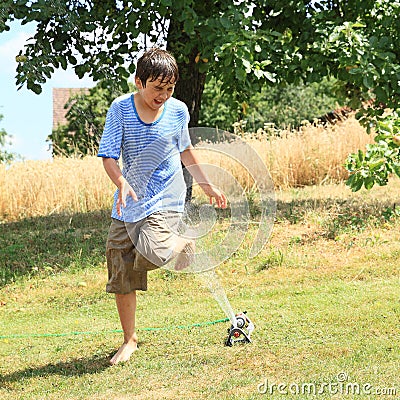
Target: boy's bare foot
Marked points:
186	256
124	353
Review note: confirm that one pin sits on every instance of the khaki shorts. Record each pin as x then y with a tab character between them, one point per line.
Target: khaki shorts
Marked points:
133	249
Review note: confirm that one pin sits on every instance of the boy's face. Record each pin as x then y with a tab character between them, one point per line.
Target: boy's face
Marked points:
156	93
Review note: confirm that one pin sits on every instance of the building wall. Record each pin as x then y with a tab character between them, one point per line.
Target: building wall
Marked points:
60	99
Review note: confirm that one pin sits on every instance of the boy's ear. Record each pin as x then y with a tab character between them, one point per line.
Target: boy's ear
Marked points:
138	83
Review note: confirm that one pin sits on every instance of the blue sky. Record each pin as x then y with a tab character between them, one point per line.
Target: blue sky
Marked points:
28	116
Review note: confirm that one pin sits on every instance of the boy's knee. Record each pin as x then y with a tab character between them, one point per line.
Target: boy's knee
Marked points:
153	258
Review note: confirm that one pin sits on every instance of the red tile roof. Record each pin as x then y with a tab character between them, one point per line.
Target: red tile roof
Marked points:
60	98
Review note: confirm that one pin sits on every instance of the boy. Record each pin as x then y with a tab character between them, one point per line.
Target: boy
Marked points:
149	130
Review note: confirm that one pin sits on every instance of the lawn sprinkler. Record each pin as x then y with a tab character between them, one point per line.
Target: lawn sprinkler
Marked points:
241	331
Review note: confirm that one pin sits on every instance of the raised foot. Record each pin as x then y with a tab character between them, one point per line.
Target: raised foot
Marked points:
186	256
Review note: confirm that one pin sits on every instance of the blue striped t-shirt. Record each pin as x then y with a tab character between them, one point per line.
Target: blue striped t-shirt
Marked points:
150	156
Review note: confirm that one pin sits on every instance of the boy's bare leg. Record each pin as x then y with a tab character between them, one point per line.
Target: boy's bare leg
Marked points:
126	305
186	250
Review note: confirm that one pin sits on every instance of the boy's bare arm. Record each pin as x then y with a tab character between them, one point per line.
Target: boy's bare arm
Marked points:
114	172
192	163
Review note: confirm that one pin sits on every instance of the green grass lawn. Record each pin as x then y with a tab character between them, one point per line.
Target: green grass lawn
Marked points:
324	296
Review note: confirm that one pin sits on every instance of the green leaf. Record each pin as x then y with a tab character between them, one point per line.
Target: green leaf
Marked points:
203	67
396	169
228	61
124	85
354	71
381	94
58	43
264	63
350	179
72	60
355	182
270	76
240	73
369	182
225	22
368	81
188	26
246	65
132	68
258	73
375	165
80	70
384	128
34	87
122	72
63	63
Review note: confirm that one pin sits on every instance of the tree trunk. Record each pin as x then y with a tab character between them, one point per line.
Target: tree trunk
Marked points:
189	87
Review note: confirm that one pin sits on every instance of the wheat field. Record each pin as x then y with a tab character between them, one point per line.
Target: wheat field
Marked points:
312	156
45	187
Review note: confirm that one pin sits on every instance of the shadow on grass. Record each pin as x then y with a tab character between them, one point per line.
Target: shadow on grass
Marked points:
49	244
338	215
74	367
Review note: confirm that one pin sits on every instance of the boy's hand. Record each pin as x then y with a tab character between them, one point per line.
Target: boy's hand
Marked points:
124	191
213	192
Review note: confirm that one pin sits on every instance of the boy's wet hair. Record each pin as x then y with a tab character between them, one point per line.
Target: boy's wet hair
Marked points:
157	63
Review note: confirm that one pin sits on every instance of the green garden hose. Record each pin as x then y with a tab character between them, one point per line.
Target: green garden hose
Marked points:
40	335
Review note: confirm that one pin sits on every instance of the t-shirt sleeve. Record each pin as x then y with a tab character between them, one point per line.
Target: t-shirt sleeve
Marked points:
184	139
110	142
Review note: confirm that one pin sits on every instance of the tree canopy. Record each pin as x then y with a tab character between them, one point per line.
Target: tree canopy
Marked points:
245	45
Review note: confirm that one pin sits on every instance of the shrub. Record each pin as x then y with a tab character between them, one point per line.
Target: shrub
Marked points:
282	107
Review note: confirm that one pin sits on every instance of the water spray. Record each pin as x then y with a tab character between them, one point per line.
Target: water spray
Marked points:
216	242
